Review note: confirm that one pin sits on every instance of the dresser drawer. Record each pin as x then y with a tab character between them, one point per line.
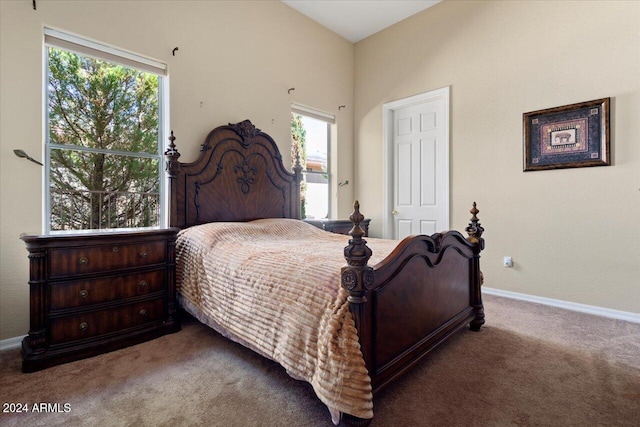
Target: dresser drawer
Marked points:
81	293
92	259
91	324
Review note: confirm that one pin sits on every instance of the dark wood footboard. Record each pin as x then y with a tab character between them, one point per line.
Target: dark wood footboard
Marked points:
424	291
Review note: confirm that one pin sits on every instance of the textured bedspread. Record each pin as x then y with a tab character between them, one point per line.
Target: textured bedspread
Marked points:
274	286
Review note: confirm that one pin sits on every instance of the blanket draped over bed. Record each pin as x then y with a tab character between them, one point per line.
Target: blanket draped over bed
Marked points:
273	285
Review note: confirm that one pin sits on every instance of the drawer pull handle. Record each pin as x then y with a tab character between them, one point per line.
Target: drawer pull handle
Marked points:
143	312
84	260
143	284
115	249
84	293
84	326
143	254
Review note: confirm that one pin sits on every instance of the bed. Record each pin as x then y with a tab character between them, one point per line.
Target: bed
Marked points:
347	315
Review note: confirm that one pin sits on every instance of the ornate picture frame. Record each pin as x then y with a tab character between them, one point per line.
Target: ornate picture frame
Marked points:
571	136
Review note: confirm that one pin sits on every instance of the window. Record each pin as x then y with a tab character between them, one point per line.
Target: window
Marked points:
310	134
104	136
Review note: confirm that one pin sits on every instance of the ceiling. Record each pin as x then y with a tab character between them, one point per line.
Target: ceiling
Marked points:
355	20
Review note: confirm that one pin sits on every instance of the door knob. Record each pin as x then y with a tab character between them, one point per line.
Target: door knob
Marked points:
394	212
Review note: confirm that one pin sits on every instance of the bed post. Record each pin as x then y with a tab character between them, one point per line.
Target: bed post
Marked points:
297	171
475	230
172	166
357	277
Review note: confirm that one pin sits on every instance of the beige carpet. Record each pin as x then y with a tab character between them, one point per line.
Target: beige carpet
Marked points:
530	366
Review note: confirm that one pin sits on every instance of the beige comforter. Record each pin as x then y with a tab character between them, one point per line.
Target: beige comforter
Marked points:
274	286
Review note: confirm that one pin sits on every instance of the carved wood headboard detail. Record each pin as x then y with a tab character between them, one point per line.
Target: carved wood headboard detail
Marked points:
239	176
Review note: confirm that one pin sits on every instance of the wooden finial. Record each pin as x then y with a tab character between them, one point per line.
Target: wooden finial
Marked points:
474	230
474	211
172	145
172	155
357	253
357	275
297	167
356	218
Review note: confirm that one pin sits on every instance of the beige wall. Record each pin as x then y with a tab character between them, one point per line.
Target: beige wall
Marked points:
573	233
236	60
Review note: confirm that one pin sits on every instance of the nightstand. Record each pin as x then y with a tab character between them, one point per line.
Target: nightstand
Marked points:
91	293
339	226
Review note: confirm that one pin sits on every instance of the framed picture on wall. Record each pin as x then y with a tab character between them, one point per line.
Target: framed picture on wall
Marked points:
570	136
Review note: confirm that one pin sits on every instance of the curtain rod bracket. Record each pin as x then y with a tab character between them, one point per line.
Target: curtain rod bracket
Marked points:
290	89
174	49
340	107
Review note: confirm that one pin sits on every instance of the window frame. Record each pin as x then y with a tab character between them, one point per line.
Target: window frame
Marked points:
86	47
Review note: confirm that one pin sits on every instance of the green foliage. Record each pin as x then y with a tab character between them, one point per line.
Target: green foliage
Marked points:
99	105
298	148
298	137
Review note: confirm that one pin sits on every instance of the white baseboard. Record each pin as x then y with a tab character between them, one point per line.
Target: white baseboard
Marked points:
11	343
567	305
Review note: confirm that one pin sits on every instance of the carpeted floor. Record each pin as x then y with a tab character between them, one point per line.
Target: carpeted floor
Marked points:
531	365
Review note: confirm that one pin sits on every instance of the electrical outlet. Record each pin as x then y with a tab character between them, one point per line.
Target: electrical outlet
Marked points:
508	262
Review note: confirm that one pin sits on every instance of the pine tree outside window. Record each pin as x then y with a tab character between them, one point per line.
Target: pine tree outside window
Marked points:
103	151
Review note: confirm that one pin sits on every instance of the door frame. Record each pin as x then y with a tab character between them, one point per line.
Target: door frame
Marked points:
388	153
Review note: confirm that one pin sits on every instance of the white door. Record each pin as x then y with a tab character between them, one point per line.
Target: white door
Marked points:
419	173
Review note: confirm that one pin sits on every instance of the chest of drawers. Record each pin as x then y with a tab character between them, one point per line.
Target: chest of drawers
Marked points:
96	292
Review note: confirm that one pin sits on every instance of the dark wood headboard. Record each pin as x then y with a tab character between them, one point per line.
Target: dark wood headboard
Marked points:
239	176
